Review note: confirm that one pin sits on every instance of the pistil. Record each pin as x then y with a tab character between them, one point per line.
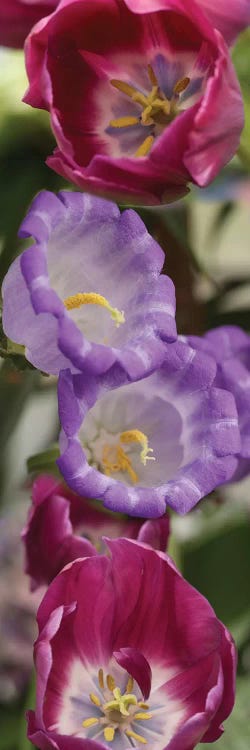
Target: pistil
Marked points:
114	458
92	298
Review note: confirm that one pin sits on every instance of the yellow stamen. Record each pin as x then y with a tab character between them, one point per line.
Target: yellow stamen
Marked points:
94	698
143	705
124	122
130	685
145	147
136	736
141	716
146	116
101	679
130	91
152	76
121	462
91	298
181	85
110	682
136	436
90	722
109	733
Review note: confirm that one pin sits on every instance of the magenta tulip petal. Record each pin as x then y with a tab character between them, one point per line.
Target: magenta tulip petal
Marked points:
137	666
229	16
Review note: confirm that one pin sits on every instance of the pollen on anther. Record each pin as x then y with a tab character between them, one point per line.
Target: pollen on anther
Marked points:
109	733
136	736
101	679
141	716
130	685
94	698
90	722
110	682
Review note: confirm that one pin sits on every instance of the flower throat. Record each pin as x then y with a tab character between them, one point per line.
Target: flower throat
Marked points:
157	109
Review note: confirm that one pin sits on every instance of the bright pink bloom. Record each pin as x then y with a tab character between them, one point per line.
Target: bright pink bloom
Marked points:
18	16
142	95
229	16
63	526
128	653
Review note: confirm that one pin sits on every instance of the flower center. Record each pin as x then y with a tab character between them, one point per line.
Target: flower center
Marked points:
117	711
157	109
114	458
91	298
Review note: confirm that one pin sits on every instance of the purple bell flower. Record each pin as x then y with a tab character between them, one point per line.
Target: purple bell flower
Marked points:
88	294
169	439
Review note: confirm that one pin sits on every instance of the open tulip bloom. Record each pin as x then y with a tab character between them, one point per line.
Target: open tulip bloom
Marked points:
142	95
89	294
129	654
168	439
62	526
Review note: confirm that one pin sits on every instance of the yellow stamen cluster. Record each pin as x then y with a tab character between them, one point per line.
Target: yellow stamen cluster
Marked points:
91	298
114	458
156	108
118	711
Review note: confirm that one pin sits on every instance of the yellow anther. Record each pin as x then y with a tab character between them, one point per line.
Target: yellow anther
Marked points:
109	733
90	722
91	298
181	85
152	76
136	736
110	682
136	436
145	147
114	459
130	685
125	88
101	679
94	698
143	705
124	122
141	716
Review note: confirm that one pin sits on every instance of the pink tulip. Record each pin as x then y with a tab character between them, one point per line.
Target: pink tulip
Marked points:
142	95
229	16
129	654
63	526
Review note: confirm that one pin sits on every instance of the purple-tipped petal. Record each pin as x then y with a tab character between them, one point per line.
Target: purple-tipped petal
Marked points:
83	245
189	428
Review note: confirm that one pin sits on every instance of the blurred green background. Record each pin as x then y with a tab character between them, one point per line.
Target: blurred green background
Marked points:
207	242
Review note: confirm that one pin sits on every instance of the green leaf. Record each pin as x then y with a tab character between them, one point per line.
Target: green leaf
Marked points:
210	563
45	461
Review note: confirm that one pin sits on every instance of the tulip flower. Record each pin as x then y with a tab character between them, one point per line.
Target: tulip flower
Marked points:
143	96
62	526
129	654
